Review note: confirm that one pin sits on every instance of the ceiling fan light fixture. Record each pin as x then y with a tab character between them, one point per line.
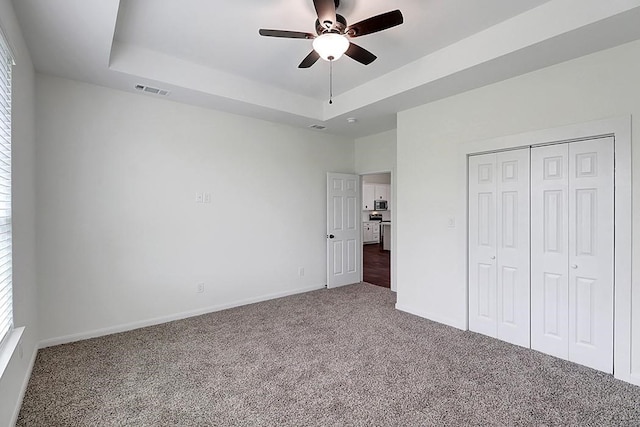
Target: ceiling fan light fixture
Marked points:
330	46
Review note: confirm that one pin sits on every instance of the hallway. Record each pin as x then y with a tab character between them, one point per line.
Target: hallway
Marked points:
376	265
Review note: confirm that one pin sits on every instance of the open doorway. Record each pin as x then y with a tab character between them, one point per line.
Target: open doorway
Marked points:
376	229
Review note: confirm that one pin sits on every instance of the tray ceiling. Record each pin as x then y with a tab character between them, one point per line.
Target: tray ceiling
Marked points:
210	54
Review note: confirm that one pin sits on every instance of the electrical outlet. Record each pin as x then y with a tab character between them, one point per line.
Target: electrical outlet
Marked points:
301	271
200	288
199	198
206	197
451	222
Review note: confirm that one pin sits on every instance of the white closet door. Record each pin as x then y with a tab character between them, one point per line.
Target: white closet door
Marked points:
549	250
512	268
482	245
572	252
499	245
591	253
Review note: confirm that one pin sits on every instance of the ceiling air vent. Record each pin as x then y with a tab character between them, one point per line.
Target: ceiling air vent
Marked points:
153	90
317	127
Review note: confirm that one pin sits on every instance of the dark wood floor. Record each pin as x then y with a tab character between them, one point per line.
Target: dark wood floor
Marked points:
376	265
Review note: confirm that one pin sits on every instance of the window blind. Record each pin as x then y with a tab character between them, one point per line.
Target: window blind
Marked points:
6	303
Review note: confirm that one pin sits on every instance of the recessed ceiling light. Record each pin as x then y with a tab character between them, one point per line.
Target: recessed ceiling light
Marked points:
317	127
352	120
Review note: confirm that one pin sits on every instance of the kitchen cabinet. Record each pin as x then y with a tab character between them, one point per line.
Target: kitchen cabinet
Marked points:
371	232
367	234
372	192
368	196
381	191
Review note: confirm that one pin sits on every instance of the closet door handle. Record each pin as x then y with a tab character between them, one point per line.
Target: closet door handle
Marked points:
493	257
574	266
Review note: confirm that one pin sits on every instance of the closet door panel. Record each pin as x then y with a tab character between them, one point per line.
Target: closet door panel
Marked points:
591	253
549	249
482	244
512	244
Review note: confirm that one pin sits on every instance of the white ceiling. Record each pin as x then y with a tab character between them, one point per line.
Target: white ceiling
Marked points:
188	30
209	53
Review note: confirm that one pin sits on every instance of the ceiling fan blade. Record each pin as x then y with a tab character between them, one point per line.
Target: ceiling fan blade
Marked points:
309	60
375	24
286	34
360	54
326	10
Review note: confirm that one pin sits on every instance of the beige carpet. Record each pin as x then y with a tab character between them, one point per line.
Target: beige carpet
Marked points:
325	358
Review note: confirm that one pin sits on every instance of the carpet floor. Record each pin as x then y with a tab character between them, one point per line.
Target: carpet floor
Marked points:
324	358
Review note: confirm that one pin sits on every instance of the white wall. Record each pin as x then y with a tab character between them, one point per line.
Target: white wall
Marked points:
376	153
121	241
15	376
377	178
431	257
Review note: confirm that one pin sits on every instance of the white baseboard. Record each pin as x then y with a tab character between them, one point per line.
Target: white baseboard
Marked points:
431	316
169	318
632	378
23	388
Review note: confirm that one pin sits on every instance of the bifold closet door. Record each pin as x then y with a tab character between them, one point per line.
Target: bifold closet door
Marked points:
572	251
499	245
550	249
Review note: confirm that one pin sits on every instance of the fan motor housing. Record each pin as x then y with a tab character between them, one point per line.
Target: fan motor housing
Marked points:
338	27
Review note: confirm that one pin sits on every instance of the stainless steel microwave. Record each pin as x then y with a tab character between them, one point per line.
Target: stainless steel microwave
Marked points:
380	205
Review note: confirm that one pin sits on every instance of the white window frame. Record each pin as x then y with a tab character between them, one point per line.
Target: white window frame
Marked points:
6	285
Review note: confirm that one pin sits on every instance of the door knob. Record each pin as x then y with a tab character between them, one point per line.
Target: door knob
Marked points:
574	266
493	257
331	236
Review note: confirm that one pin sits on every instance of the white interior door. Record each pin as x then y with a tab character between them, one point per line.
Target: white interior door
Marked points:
572	252
549	249
499	245
343	231
512	244
482	245
591	253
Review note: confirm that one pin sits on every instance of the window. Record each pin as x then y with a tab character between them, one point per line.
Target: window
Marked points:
6	297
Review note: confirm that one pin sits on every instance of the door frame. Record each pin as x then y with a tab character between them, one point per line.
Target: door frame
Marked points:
393	226
620	129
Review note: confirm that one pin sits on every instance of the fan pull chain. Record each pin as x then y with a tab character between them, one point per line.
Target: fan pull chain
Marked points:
331	82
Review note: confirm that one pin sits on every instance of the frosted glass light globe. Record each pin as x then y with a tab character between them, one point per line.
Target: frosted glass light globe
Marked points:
330	46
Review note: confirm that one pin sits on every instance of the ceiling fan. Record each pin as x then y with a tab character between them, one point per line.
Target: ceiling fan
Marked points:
333	34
